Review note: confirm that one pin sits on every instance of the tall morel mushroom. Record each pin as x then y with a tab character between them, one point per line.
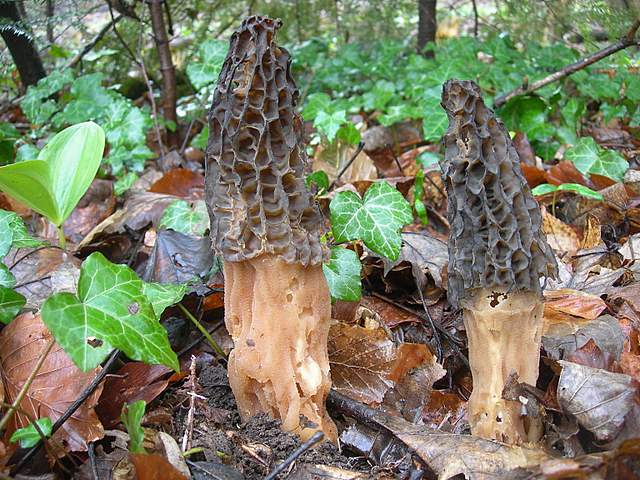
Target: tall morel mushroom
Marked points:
497	256
266	226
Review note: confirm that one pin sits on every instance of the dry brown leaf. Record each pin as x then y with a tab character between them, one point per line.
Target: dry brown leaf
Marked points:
561	237
96	205
58	384
444	411
181	183
153	467
365	363
591	237
534	175
574	303
630	365
565	172
391	315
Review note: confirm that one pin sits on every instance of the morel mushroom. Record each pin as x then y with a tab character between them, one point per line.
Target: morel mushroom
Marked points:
497	255
266	226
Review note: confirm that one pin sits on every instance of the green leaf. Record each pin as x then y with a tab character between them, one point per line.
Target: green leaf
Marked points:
418	197
316	103
13	232
376	219
343	275
434	118
26	152
163	295
320	178
211	57
54	183
589	157
28	436
11	303
545	188
7	280
181	217
528	115
201	139
111	310
124	183
329	123
131	417
349	133
426	159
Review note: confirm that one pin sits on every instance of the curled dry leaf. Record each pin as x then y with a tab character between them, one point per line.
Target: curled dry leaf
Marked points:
572	303
153	466
590	355
365	363
58	384
96	205
598	399
181	183
391	315
562	339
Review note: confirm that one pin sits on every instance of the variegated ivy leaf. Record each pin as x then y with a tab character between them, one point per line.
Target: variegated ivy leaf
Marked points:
343	275
111	310
376	219
184	218
14	233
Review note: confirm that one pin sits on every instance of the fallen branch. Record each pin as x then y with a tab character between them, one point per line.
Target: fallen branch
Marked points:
89	46
626	41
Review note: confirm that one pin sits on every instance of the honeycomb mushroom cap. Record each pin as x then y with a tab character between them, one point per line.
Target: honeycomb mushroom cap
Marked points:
495	239
256	158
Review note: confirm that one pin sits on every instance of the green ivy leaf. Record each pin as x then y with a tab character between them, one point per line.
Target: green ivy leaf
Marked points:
211	55
11	303
28	436
329	123
201	139
589	157
131	417
13	232
349	133
545	188
320	178
343	275
426	159
181	217
376	219
316	103
163	295
110	311
434	118
7	280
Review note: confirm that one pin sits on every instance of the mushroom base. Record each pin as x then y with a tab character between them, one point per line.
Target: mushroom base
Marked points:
504	332
278	315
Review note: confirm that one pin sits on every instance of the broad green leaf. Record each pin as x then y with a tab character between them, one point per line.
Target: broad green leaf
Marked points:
11	303
349	133
545	188
589	157
426	159
28	436
211	57
376	219
131	417
182	217
329	123
13	232
54	183
320	178
163	295
528	115
343	275
110	311
316	103
7	280
26	152
434	118
201	139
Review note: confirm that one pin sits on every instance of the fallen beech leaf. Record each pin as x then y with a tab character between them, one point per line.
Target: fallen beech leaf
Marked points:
134	381
573	302
561	237
561	340
534	175
598	399
630	365
444	411
365	363
391	315
181	183
153	467
58	384
591	356
565	172
591	237
96	205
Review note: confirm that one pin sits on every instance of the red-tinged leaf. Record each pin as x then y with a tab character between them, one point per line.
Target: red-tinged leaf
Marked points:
561	237
630	365
444	411
134	381
591	356
215	300
600	181
154	467
573	302
565	172
181	183
58	384
533	175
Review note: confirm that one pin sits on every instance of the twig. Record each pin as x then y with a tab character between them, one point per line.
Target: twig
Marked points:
89	46
626	41
91	450
188	430
203	330
72	408
27	384
294	456
347	165
475	18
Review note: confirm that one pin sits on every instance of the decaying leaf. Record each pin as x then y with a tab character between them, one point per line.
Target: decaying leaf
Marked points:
181	183
599	399
58	384
561	237
391	315
96	205
572	303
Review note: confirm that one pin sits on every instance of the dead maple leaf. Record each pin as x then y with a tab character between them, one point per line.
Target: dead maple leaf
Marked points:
153	466
57	385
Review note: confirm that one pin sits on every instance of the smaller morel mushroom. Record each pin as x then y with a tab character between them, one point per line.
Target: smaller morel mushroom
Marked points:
266	226
497	255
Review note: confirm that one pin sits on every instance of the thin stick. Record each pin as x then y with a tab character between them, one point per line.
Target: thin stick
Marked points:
475	18
294	456
25	388
188	430
626	41
347	165
203	330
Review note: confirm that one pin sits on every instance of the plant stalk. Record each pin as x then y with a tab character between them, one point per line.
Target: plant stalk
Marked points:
203	330
62	241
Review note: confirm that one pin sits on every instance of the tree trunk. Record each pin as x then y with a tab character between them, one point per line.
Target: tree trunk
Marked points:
427	25
167	69
20	44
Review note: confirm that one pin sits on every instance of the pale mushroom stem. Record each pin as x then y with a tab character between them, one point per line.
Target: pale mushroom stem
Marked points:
278	315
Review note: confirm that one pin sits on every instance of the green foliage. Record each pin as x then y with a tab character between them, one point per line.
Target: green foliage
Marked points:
206	67
320	178
329	120
131	417
8	136
343	275
28	436
185	218
113	309
85	98
418	197
589	157
53	184
11	302
375	219
545	188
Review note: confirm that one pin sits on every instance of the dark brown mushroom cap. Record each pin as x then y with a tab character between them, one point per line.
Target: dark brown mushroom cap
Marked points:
256	160
495	239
